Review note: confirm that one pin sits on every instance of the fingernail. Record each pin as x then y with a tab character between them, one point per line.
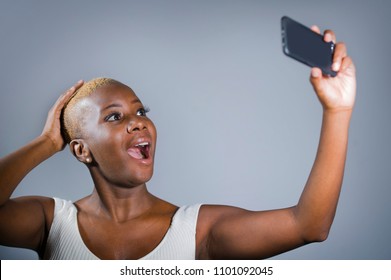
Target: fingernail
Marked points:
314	73
335	66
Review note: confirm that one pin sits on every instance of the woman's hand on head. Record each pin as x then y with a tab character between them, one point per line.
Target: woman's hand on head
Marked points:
52	129
336	93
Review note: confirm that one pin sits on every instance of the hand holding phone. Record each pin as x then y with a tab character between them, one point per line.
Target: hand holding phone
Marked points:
307	46
335	92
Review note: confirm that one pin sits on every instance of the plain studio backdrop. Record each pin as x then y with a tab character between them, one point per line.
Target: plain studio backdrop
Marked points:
238	122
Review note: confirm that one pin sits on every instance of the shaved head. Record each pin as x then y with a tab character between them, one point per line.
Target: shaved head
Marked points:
73	113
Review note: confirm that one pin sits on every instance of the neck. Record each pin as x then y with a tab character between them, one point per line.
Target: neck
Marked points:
120	203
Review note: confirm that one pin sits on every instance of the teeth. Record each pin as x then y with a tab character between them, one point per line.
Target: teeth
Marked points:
142	144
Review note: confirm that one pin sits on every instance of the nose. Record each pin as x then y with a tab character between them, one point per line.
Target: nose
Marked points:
136	124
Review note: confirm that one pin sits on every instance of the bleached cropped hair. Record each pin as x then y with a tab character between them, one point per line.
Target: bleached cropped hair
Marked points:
71	119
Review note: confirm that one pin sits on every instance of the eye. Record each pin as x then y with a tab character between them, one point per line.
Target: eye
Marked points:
142	112
113	117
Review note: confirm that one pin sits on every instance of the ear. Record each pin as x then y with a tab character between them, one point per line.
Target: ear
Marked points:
80	150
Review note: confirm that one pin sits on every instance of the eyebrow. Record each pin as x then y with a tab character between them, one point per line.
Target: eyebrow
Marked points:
134	101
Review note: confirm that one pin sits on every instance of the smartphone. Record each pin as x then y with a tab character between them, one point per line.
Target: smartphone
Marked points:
306	46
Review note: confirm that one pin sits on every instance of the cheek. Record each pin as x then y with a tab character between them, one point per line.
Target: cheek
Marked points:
152	130
104	146
110	158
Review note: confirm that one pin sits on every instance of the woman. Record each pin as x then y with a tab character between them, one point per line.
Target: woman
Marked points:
107	129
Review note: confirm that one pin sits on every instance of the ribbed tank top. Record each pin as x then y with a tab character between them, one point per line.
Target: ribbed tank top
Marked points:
65	243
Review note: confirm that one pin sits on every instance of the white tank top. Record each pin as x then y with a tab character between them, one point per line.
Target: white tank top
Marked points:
65	243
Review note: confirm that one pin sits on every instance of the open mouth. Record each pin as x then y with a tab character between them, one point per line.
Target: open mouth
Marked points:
140	151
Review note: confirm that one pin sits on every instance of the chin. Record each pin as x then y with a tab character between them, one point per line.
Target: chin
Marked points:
142	178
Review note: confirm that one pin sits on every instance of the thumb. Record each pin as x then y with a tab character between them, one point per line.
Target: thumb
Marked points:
316	77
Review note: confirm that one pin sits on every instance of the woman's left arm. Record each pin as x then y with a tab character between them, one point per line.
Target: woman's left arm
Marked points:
318	202
227	232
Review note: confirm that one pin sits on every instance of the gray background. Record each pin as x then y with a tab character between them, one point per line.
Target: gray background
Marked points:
238	121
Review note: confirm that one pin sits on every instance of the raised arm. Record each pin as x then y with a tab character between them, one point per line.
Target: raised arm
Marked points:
226	232
23	219
337	96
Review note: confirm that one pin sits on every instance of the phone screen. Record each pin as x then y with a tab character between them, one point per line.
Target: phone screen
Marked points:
306	46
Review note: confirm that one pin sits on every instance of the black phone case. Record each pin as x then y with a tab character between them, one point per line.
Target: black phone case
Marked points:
312	50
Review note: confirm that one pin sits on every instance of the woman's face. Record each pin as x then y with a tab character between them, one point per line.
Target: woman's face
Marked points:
120	137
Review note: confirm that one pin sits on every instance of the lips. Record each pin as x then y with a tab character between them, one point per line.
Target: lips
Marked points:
141	150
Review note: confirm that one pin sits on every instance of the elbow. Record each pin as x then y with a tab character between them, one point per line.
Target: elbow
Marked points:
315	228
316	235
321	236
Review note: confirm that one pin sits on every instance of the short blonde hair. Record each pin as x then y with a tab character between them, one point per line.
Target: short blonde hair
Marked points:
71	119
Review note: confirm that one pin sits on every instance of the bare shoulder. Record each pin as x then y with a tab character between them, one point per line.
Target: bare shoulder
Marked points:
211	215
26	221
35	205
27	203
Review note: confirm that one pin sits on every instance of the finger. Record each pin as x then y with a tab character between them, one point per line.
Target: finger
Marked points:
340	52
70	92
329	36
316	78
74	88
315	28
65	97
347	63
316	73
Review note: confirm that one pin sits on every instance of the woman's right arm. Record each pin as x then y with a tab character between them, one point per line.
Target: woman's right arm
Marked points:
23	220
